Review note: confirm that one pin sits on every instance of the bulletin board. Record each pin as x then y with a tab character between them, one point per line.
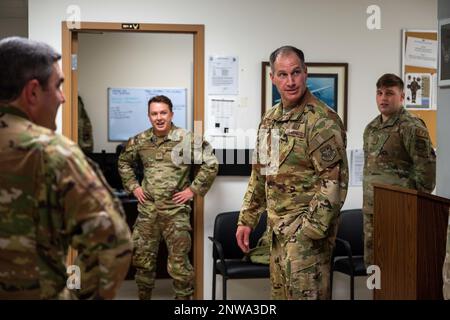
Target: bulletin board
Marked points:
424	69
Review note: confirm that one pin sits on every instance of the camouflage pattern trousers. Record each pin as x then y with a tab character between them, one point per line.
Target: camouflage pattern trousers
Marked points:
300	267
368	239
171	222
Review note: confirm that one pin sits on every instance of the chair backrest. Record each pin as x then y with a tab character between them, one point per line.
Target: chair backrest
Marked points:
351	229
225	227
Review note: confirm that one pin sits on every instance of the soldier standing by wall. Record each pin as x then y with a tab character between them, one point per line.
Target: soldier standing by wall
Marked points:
397	151
167	155
50	197
303	186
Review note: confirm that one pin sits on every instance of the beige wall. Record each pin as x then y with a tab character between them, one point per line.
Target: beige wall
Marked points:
130	60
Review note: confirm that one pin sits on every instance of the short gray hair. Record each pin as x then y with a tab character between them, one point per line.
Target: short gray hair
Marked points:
286	50
22	60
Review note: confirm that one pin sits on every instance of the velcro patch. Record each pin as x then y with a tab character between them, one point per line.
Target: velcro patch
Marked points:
421	146
327	153
295	133
422	133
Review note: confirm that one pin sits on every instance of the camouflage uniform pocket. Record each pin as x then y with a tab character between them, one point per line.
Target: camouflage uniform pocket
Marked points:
286	147
304	278
391	148
376	143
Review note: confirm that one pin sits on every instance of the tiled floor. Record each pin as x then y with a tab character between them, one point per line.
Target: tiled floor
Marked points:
258	289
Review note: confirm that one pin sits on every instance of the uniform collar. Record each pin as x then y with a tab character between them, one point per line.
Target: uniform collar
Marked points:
172	135
295	112
392	120
14	111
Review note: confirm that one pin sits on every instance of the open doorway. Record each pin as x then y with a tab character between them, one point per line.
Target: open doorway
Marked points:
72	58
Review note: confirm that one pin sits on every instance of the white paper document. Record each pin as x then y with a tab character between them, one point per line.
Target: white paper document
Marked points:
223	75
222	116
421	52
418	90
434	91
356	167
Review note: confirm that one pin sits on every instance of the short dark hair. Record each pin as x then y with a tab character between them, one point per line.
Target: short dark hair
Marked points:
162	99
22	60
285	50
390	80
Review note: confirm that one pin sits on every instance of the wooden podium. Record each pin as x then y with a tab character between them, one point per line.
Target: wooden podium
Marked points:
410	234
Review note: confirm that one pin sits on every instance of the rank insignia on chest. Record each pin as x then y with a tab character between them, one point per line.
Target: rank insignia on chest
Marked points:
159	156
327	153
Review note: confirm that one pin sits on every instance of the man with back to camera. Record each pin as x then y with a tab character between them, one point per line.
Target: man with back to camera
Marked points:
303	186
167	154
397	151
50	197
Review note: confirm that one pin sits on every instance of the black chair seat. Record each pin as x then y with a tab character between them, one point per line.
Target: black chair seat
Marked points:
343	265
238	269
228	257
349	243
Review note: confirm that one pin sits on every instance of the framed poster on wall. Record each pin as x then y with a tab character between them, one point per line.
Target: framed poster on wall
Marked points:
444	52
327	81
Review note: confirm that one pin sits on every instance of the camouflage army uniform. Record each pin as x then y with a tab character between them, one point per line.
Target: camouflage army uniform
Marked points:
85	137
167	164
397	152
50	198
303	198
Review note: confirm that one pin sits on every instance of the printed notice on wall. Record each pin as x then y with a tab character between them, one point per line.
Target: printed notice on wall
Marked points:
421	52
223	75
356	167
222	116
418	90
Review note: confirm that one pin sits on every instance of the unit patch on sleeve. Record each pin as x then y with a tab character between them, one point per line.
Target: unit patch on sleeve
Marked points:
327	153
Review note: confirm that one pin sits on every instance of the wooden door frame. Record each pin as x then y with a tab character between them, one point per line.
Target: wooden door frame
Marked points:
70	107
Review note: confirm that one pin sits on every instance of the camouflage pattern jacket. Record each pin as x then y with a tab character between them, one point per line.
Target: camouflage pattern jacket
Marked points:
50	198
167	163
85	135
304	183
397	152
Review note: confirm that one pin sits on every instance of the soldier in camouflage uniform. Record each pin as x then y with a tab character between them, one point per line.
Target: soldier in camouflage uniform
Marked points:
397	151
167	155
302	186
85	137
50	197
446	268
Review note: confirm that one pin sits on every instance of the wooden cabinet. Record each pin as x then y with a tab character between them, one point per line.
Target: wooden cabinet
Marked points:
410	233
